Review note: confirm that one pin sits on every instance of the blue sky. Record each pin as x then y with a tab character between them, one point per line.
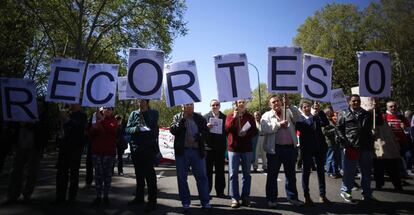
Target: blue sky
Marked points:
240	26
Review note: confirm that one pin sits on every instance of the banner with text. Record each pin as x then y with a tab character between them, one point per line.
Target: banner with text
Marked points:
232	77
145	73
338	100
100	85
18	99
166	143
317	78
65	81
374	74
284	70
181	83
122	85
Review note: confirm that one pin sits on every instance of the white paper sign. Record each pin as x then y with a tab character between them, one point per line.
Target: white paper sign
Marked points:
367	103
65	81
317	78
232	77
122	85
284	73
338	100
100	85
374	74
18	99
217	125
145	74
166	144
246	127
181	83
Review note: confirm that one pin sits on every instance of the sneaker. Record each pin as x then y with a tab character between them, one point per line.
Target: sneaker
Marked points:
272	204
308	201
186	208
324	200
356	187
246	202
120	174
207	207
347	197
370	199
410	173
234	203
295	202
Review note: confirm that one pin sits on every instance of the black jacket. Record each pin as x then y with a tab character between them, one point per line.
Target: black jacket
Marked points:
311	137
178	129
216	141
355	130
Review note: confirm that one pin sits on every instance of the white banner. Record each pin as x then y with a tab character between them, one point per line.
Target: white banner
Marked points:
374	74
145	74
65	80
122	85
166	144
338	100
100	85
181	83
317	78
232	77
284	73
18	99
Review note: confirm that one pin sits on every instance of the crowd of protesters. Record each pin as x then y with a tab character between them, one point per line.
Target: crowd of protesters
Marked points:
341	144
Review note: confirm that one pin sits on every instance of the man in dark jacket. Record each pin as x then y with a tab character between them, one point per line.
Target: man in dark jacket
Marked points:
216	143
143	128
190	129
70	152
355	135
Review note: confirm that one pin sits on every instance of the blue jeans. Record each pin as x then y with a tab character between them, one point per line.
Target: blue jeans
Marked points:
235	158
307	164
285	155
192	158
365	162
333	159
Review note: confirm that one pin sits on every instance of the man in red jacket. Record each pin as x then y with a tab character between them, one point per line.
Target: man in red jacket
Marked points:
398	123
240	129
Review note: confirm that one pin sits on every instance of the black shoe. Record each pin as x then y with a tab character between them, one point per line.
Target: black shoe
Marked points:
9	202
136	201
120	173
221	195
97	201
151	206
106	200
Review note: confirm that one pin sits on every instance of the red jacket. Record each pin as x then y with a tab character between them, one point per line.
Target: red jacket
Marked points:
237	143
103	137
394	121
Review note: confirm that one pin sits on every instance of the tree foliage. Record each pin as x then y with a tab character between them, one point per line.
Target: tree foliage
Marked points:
338	31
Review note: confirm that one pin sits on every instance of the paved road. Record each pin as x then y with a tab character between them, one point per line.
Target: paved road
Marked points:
168	201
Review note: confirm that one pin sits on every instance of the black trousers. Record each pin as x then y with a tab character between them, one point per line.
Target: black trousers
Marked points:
89	165
68	170
215	159
143	160
392	167
119	154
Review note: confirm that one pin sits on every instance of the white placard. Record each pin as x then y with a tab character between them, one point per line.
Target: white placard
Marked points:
145	73
166	144
65	81
232	77
217	125
367	103
100	85
18	99
122	85
181	83
374	74
317	78
338	100
284	73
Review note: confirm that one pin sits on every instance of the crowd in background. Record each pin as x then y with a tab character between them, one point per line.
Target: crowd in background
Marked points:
343	144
